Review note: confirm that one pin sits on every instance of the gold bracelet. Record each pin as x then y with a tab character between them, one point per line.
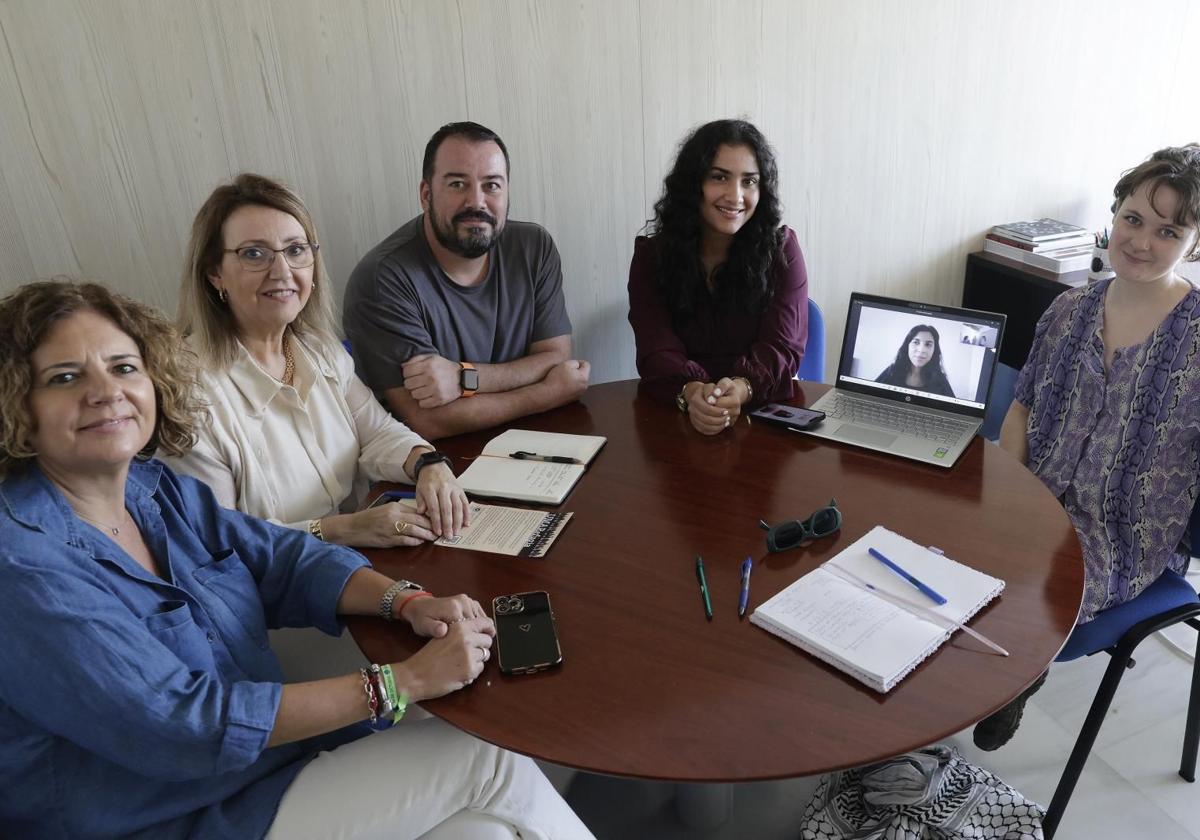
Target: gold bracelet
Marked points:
314	528
681	400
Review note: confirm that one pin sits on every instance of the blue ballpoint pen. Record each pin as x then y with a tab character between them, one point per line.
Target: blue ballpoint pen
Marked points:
929	593
703	587
744	597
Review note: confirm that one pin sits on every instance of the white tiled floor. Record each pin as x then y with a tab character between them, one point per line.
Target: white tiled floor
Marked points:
1129	790
1130	787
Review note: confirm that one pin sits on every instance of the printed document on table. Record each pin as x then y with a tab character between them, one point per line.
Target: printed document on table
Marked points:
506	530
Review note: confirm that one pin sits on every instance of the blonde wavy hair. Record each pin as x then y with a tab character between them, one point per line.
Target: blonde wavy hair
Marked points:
202	316
32	311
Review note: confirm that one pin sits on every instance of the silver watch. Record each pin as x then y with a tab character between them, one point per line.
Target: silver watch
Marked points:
385	603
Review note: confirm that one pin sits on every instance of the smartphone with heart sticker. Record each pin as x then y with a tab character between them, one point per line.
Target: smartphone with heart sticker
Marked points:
526	639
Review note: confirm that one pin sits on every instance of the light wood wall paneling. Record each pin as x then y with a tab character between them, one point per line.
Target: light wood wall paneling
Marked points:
79	150
904	129
560	83
700	61
908	130
369	82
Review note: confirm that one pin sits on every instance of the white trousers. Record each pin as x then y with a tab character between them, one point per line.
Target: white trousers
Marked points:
423	779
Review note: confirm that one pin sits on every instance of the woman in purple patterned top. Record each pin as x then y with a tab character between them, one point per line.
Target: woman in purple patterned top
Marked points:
1107	407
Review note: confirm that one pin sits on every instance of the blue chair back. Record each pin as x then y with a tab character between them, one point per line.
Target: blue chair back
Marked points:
1194	528
1003	385
812	366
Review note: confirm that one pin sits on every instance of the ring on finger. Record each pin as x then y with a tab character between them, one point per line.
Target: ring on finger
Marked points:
401	528
487	654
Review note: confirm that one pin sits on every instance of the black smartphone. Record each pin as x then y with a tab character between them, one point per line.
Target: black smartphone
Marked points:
789	415
526	641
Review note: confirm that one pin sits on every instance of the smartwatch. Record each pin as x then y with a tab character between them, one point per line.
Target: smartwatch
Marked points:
468	378
427	458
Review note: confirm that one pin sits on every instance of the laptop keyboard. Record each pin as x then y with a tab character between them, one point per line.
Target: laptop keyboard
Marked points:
897	419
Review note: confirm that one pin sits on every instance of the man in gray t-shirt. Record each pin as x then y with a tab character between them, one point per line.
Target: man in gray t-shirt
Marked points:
457	319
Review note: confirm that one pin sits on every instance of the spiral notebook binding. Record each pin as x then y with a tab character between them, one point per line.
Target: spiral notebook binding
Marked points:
541	538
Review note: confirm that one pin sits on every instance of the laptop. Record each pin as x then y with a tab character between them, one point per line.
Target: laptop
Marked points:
913	379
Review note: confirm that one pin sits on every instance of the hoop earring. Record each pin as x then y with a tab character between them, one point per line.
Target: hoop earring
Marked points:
221	294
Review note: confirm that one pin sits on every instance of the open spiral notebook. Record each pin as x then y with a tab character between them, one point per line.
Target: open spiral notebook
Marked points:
876	637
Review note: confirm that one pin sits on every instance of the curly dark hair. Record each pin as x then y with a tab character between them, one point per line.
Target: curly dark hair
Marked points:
1177	167
33	309
934	373
743	281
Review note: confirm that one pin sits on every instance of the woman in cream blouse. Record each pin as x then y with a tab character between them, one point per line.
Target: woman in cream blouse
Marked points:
294	437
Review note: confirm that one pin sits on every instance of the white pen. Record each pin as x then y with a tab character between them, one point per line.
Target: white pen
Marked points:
918	610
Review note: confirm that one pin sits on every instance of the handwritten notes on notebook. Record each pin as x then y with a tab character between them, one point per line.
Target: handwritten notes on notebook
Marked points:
874	640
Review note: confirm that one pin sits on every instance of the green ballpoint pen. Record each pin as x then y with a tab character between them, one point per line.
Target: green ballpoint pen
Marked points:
703	587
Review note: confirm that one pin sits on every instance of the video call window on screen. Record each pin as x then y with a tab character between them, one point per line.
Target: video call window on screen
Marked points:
979	335
925	354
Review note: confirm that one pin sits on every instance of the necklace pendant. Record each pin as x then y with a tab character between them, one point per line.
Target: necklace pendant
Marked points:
116	532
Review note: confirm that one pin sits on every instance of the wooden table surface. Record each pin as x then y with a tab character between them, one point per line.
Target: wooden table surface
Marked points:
649	688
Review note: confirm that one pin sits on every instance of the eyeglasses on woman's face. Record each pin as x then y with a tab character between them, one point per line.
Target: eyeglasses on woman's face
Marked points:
260	257
792	533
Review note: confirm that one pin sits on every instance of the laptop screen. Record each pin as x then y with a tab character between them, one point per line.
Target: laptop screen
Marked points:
938	356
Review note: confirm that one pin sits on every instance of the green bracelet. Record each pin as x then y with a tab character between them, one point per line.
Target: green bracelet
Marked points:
399	699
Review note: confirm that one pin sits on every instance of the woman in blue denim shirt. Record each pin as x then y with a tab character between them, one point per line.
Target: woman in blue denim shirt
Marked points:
138	694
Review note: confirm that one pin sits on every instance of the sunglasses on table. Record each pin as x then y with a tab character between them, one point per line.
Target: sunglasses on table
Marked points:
792	533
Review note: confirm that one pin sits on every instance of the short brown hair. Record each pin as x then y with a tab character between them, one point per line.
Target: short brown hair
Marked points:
1177	167
202	316
32	310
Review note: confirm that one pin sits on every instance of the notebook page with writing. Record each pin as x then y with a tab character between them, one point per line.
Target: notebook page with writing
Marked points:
582	448
872	639
524	481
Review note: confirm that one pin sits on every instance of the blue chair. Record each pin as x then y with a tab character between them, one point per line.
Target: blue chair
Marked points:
1116	631
812	366
1003	385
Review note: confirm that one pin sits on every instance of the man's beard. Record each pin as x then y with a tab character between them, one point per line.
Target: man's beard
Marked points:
475	242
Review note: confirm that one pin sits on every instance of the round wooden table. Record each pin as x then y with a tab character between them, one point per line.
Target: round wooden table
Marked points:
649	688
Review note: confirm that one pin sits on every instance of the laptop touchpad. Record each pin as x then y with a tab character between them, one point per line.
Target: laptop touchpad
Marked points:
868	437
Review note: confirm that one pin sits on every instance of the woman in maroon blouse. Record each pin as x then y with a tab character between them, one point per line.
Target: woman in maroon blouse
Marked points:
718	295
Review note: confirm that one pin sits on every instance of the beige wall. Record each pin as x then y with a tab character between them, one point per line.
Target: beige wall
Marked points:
904	129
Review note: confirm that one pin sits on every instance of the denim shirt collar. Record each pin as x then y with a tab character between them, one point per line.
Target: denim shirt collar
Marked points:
31	499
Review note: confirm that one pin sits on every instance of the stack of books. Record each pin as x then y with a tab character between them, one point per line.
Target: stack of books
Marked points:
1046	243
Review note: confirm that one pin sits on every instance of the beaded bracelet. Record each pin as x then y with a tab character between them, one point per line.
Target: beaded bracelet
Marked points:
385	703
385	706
